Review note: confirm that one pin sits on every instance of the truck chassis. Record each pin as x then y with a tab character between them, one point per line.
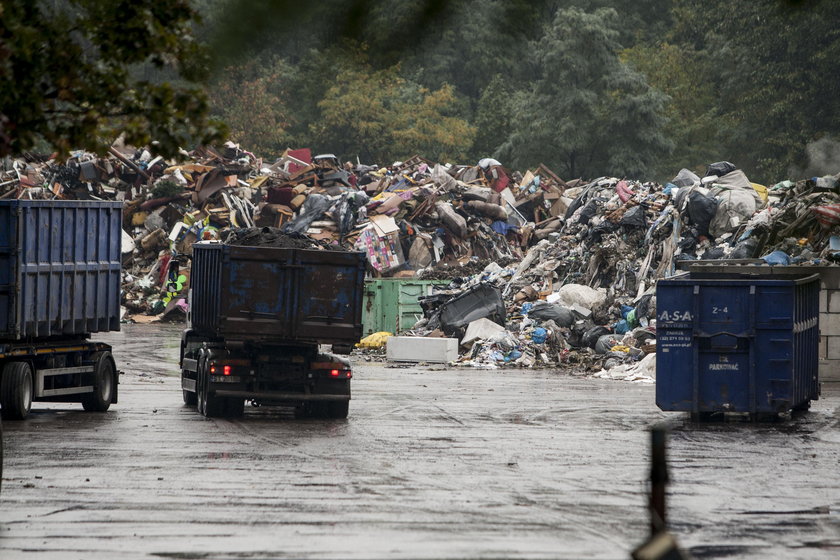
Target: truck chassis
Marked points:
218	376
67	370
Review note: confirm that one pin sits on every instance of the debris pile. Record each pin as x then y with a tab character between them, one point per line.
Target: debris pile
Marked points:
584	292
543	271
411	216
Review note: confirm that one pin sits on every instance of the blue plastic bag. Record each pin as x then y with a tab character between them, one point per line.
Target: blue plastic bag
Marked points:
775	258
622	327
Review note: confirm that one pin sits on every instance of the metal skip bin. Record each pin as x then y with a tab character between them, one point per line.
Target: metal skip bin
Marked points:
737	343
393	304
60	268
274	293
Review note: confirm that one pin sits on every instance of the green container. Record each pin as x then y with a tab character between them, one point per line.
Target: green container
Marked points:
391	304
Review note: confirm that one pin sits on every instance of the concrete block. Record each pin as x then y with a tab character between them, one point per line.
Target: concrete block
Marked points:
833	297
823	301
580	310
830	324
481	329
421	349
829	370
832	348
829	276
823	347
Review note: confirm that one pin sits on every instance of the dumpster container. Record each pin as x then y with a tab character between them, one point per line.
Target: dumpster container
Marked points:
272	293
60	268
393	304
739	343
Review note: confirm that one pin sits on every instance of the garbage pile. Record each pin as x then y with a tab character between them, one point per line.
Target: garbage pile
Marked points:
542	271
411	216
169	205
520	316
584	293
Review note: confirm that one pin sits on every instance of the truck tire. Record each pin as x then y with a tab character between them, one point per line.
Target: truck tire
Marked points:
190	397
16	390
209	406
199	385
104	382
337	409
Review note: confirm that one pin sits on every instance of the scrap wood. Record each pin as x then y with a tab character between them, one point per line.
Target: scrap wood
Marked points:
544	168
128	162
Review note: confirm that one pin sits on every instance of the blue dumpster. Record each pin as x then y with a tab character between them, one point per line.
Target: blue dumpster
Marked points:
737	343
60	268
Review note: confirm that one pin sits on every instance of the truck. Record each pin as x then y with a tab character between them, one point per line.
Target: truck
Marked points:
60	276
258	322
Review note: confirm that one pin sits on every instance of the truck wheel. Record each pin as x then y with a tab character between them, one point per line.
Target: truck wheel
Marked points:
337	409
209	406
199	386
213	407
104	379
190	398
16	390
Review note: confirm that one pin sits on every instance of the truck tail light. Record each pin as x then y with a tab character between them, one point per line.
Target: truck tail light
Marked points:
331	370
223	368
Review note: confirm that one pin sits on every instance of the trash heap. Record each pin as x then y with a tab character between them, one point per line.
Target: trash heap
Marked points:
411	216
584	292
542	271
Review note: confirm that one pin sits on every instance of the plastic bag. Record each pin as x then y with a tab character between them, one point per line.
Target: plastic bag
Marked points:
685	178
539	335
701	210
347	209
734	208
606	342
590	337
582	295
745	249
720	169
777	258
312	209
375	340
634	218
544	311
